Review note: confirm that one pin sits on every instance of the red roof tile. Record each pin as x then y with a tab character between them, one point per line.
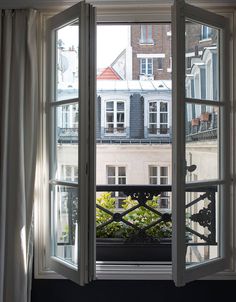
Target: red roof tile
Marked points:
108	74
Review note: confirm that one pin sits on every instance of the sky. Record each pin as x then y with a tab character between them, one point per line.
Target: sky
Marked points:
111	41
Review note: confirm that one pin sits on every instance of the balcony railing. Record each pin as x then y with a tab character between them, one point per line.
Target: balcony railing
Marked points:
158	131
200	212
117	131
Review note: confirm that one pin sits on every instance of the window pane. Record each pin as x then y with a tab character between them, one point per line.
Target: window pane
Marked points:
67	76
153	181
120	117
163	118
202	145
159	63
164	171
110	117
120	106
66	141
164	181
111	181
153	171
204	65
153	107
152	118
202	225
65	223
163	107
109	106
121	171
122	181
111	171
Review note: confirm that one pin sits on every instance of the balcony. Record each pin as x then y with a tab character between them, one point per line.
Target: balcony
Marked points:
140	230
158	131
115	131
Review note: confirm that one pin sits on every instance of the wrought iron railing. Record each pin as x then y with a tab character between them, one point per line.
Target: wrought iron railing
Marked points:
158	131
200	211
118	130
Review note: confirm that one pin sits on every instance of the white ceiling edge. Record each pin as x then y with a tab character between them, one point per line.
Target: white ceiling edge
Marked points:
44	4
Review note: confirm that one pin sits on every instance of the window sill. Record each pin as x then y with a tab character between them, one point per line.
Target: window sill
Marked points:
129	271
205	40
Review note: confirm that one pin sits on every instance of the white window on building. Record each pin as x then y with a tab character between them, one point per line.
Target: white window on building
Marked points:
159	176
158	118
69	116
146	66
160	63
69	173
206	32
116	175
115	117
146	34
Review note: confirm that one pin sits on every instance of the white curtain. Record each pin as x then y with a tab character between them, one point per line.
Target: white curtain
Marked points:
18	130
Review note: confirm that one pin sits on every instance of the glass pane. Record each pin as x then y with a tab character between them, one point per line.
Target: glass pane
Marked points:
153	171
111	181
110	117
122	180
201	147
65	223
152	107
121	171
67	73
152	118
153	181
164	171
67	139
111	171
202	222
163	107
202	61
110	106
120	117
120	106
163	118
164	181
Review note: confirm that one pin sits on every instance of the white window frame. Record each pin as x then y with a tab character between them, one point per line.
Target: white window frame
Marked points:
205	37
115	98
117	177
158	178
121	271
146	63
115	122
164	99
181	273
145	37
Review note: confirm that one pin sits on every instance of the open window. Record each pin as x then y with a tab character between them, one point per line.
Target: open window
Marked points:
200	99
200	187
71	115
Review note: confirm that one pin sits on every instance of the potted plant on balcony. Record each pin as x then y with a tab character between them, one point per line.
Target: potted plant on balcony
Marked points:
136	233
204	117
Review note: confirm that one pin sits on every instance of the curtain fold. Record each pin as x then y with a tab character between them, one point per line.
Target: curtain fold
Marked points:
19	121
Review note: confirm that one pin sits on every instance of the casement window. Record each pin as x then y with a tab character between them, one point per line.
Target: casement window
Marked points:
146	66
146	34
72	249
158	118
160	63
115	117
159	175
116	175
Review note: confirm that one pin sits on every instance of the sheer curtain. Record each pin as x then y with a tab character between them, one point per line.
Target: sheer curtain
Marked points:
18	130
